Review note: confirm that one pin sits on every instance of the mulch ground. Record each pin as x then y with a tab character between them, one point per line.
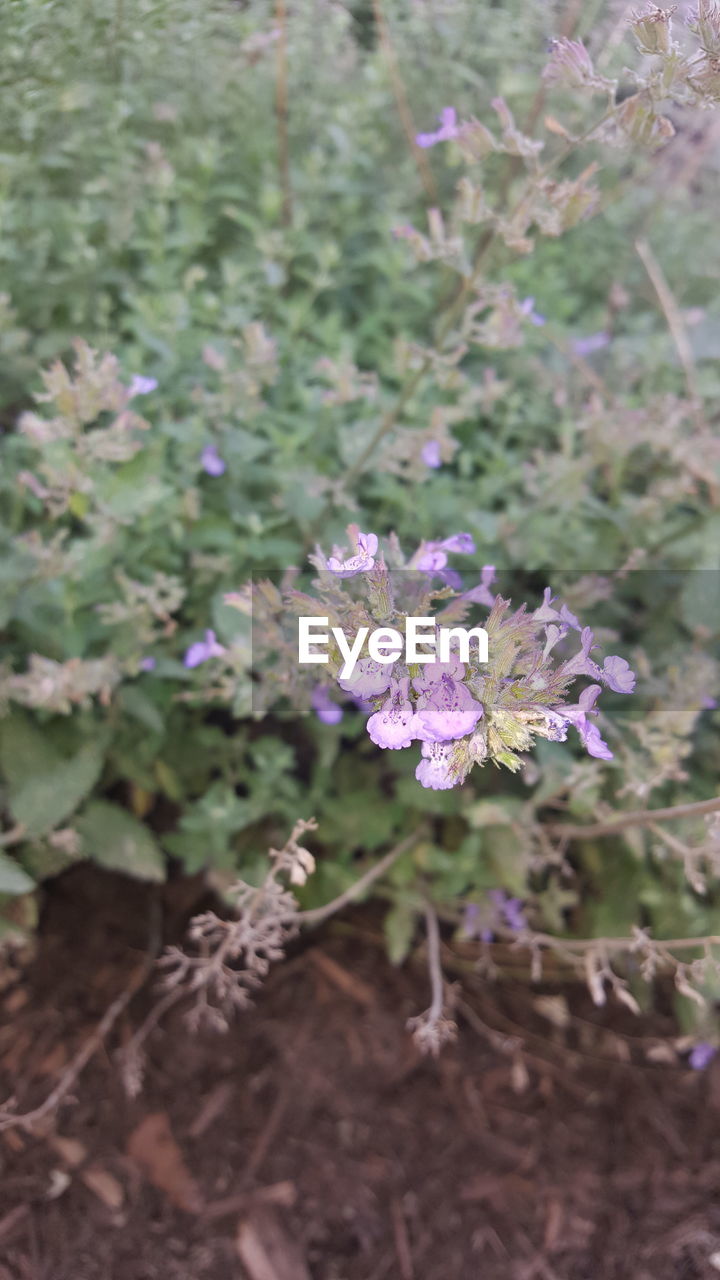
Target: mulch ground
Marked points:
312	1142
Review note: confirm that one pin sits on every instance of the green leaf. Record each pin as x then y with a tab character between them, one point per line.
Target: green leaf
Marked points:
44	789
13	880
113	838
399	927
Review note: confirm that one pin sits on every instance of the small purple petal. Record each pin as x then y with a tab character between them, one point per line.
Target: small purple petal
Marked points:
140	386
325	709
702	1055
448	711
148	664
202	650
589	345
395	725
211	461
434	770
448	129
368	680
463	543
430	454
618	674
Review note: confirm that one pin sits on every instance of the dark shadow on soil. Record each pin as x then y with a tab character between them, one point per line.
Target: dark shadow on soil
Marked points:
315	1129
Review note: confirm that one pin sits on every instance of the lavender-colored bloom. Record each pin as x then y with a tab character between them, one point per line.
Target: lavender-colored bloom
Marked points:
148	664
481	594
448	129
581	664
588	346
527	307
202	650
431	557
140	386
702	1055
434	770
431	561
709	704
369	679
324	707
430	454
509	909
447	711
362	562
594	743
577	715
617	674
433	672
547	613
395	725
463	543
211	461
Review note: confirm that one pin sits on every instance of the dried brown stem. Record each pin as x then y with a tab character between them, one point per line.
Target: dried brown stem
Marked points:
83	1056
281	112
403	105
634	818
319	914
674	319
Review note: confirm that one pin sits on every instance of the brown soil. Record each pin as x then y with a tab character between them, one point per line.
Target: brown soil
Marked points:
313	1142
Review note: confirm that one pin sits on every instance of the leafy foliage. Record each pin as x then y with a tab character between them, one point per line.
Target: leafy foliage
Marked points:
316	338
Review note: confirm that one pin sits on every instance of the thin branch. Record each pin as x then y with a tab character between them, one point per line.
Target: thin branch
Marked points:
281	111
403	105
83	1056
437	984
634	818
674	319
319	914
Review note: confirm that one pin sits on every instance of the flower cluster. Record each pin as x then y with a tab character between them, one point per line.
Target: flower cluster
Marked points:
460	711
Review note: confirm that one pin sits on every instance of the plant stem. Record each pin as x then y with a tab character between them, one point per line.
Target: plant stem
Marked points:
281	111
634	818
318	915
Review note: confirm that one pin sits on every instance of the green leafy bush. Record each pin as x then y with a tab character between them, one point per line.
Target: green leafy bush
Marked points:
314	337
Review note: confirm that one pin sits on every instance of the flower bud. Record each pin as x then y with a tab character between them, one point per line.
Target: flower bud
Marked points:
705	22
651	29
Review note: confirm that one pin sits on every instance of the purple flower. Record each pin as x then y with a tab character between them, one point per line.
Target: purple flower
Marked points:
617	674
588	346
509	909
202	650
430	454
709	704
395	724
369	679
430	561
433	672
148	664
434	770
324	707
481	594
431	557
498	909
578	716
460	542
211	461
362	562
702	1055
581	664
448	129
140	386
527	308
447	711
546	612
